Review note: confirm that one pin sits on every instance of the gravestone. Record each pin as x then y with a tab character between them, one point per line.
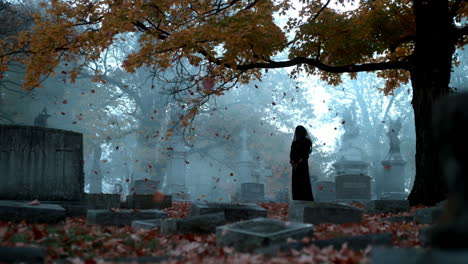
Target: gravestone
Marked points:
450	138
122	217
394	166
317	213
353	187
201	224
386	206
41	213
102	200
260	232
147	224
232	212
324	191
145	186
252	192
149	201
41	163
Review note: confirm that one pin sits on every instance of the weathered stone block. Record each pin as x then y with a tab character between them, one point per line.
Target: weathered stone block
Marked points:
22	255
102	200
147	224
353	187
383	255
252	192
399	219
147	201
43	213
316	213
232	212
145	186
260	232
201	224
122	217
386	206
427	215
40	163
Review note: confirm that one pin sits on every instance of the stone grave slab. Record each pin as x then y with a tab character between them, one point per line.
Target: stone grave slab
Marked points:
386	206
353	187
324	191
148	201
316	213
145	186
427	215
353	242
147	224
252	192
384	255
249	235
122	217
232	212
42	213
201	224
22	255
102	200
399	219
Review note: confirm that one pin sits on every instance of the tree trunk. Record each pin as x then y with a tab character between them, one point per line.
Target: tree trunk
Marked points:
430	78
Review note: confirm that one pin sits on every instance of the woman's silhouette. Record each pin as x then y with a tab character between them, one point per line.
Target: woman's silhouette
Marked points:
301	147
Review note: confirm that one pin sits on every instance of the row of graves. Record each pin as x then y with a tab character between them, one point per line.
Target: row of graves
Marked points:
46	165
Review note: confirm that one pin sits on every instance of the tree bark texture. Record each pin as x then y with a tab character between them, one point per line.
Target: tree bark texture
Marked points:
430	76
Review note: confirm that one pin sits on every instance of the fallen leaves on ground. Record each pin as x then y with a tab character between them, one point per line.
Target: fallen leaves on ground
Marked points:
79	242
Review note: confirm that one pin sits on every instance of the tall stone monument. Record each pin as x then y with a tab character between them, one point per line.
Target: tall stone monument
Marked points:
352	180
251	190
175	173
394	166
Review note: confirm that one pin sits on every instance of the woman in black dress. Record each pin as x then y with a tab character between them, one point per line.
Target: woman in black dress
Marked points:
301	147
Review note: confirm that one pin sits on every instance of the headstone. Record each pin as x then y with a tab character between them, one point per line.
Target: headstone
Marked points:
201	224
102	201
31	255
384	255
394	166
145	186
41	163
149	201
427	215
41	213
260	232
41	119
147	224
386	206
122	217
353	187
176	169
450	116
232	212
252	192
324	191
360	242
317	213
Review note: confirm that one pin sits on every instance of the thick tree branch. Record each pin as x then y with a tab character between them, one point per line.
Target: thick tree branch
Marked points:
324	67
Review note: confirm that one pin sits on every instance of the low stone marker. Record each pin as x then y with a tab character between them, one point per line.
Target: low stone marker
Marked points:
148	201
122	217
102	200
353	242
252	192
232	212
386	206
22	255
384	255
202	224
427	215
249	235
147	224
317	213
41	213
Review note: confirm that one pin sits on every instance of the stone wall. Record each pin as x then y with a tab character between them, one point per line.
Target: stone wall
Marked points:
40	163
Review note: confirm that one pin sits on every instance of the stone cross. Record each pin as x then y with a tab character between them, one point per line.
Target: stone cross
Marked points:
41	118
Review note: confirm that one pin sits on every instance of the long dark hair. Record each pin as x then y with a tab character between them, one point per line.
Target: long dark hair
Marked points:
301	134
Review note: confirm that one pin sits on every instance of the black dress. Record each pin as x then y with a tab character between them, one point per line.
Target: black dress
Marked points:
301	188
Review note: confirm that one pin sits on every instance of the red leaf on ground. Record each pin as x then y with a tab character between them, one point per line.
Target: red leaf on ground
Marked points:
34	202
64	102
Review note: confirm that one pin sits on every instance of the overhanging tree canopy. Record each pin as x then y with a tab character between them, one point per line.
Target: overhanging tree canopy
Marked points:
231	40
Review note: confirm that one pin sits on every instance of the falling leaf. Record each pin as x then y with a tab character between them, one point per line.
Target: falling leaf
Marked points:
343	122
273	103
104	161
146	179
231	174
320	188
186	162
169	148
117	148
127	180
93	91
150	166
64	102
63	113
